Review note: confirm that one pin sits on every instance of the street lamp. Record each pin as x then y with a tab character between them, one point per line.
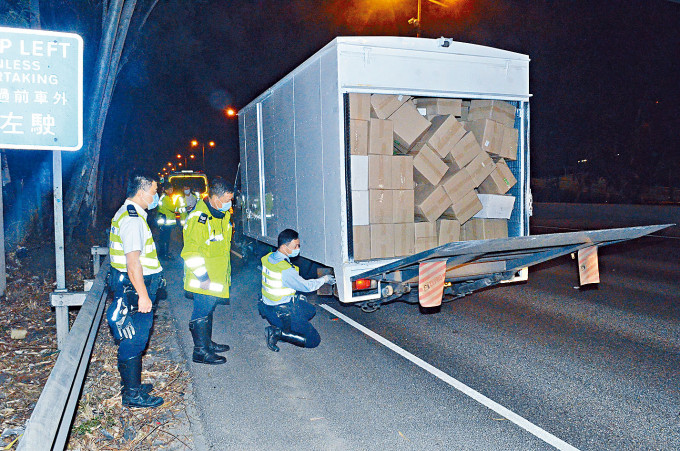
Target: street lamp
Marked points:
194	143
415	21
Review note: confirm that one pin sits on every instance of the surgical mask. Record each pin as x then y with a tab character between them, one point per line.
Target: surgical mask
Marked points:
187	192
293	253
225	206
154	201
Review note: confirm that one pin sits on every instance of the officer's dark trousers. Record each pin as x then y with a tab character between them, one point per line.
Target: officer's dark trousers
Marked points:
300	313
132	347
204	305
164	236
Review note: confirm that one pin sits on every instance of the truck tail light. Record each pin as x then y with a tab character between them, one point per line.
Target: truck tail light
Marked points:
361	284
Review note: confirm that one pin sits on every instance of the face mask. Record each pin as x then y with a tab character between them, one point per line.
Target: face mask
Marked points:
293	253
154	201
187	192
225	206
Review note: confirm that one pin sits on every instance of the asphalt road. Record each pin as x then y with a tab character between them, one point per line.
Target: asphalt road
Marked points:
595	368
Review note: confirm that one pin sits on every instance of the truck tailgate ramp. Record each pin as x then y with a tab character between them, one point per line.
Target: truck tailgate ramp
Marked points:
513	254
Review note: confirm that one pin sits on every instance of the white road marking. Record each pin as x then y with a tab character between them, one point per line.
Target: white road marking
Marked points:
506	413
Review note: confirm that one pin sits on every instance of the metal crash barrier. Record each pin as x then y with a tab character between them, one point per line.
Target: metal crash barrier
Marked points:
50	422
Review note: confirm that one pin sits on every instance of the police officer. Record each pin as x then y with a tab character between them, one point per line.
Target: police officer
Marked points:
166	221
136	275
287	312
206	254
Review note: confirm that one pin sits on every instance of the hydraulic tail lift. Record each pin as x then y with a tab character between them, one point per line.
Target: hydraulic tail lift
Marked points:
500	260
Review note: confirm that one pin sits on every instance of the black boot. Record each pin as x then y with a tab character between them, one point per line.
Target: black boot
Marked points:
132	393
202	352
273	335
146	388
214	347
297	340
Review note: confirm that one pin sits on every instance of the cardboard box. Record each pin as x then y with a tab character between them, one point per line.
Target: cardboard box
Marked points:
359	106
360	208
383	105
431	202
509	143
465	150
380	137
484	229
380	206
362	242
495	206
448	231
382	240
480	168
439	106
359	172
499	181
496	110
409	125
466	206
489	134
358	137
404	239
443	135
429	167
403	206
379	172
425	236
457	184
402	172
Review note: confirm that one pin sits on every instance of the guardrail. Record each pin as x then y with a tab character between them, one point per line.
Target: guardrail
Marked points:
50	422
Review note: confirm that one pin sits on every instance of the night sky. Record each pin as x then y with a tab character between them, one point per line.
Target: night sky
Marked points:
604	74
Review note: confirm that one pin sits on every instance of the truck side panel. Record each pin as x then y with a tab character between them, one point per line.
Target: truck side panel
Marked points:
250	172
308	161
332	123
278	132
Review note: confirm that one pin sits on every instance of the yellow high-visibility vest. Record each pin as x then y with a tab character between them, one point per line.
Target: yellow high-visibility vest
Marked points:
207	247
148	256
272	279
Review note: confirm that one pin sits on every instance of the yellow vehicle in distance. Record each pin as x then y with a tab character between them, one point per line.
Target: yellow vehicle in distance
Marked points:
197	181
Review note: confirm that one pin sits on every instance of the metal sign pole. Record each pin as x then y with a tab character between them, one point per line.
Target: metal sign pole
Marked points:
60	311
58	221
3	268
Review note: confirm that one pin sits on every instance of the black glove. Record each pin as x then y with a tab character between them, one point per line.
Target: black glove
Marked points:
122	319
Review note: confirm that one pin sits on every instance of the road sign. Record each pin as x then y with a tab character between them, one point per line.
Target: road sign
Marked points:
41	89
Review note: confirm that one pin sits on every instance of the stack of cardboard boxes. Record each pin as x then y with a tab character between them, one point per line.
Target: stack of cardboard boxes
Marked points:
419	173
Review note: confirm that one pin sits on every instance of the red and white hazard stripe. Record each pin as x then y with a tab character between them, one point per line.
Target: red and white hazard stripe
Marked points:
431	283
588	267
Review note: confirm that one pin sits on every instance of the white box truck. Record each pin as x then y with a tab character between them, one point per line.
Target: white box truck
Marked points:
295	154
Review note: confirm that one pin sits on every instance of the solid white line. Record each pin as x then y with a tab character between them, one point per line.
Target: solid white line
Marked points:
506	413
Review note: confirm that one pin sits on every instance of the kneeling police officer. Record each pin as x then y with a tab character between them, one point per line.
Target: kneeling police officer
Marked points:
288	313
136	276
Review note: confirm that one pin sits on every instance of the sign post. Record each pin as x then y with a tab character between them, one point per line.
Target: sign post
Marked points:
41	108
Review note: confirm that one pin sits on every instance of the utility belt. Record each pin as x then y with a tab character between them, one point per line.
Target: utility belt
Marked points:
121	285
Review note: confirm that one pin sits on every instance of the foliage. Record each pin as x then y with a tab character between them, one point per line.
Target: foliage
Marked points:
15	13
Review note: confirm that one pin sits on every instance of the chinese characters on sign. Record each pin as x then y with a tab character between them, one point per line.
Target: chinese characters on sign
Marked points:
41	90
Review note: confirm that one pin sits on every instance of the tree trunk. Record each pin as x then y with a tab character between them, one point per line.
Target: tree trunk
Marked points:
81	173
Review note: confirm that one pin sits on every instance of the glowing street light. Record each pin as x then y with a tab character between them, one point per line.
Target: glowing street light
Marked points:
230	112
169	163
415	21
179	156
194	143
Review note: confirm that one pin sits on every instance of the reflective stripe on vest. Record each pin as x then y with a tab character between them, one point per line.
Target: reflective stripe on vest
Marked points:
272	279
148	257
